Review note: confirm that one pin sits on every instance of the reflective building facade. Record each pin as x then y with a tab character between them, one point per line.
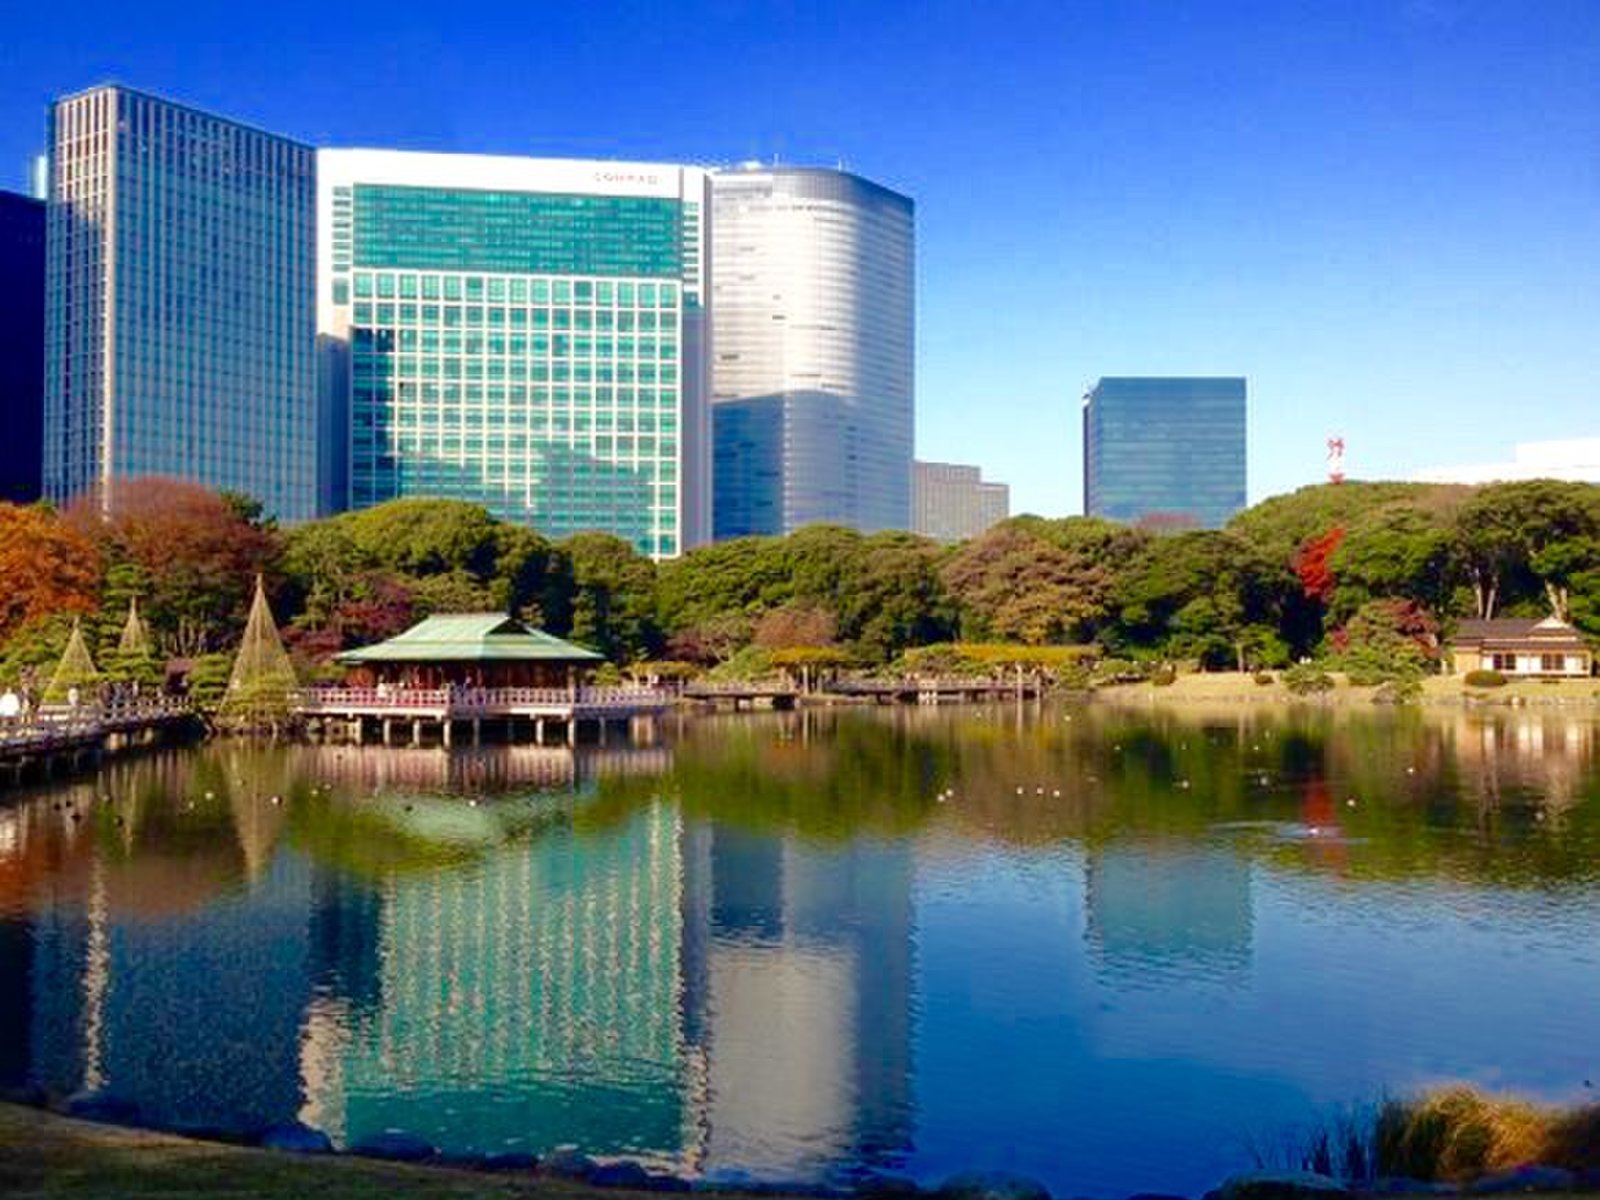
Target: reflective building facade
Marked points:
1165	450
22	222
525	334
179	315
813	326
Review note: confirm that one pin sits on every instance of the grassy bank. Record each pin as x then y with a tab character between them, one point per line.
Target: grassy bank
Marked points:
1234	688
43	1155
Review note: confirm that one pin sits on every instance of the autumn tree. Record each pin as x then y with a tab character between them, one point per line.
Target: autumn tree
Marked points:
47	566
198	551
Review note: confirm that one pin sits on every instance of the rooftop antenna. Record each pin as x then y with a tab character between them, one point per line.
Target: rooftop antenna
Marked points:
1336	459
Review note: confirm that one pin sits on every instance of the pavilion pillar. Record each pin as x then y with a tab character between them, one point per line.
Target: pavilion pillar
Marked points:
477	731
447	728
538	731
388	730
416	731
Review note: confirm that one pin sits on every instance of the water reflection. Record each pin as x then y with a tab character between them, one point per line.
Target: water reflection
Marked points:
1068	941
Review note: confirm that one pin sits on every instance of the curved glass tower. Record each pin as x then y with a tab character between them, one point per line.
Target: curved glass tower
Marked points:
813	323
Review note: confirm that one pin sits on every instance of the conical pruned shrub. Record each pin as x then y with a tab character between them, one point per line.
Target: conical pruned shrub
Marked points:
262	685
75	675
135	637
134	659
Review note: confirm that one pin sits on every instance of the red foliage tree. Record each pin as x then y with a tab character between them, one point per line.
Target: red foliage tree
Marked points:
1313	563
197	551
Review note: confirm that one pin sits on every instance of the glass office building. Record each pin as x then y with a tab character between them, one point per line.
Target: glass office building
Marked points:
813	328
22	222
180	320
1165	451
525	334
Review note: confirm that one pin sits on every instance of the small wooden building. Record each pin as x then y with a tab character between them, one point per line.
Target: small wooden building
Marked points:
1521	646
470	650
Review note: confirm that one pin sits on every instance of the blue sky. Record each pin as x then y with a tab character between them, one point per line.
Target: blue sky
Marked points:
1385	213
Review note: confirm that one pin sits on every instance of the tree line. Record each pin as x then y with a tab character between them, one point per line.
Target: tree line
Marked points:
1352	573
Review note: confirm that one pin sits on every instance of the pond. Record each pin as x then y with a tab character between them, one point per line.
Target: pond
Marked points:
1114	950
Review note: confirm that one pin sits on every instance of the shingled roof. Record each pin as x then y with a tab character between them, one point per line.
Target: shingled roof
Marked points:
471	637
1521	631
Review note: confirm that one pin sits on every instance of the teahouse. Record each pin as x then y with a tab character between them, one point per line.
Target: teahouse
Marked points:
1521	646
470	650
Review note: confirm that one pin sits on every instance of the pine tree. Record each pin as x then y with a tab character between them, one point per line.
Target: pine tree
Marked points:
134	659
262	685
75	675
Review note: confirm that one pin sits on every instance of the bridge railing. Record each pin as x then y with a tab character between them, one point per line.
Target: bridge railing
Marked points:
57	724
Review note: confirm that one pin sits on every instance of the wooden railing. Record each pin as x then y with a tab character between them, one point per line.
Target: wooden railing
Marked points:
468	702
62	725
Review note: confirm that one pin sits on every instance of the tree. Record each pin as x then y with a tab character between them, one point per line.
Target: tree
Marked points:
897	598
75	674
1513	534
46	566
196	550
613	590
262	683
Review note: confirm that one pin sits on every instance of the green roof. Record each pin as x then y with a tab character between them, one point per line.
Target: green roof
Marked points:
472	637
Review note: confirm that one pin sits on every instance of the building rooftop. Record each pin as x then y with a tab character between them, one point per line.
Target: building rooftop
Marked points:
471	637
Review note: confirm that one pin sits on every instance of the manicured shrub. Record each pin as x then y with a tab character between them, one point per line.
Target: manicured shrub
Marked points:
1484	678
1307	679
1164	676
1264	678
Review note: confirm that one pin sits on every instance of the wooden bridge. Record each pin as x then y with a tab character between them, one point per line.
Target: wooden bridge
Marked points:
415	714
936	690
58	739
738	696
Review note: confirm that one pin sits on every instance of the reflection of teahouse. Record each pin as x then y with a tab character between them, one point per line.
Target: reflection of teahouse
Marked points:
470	650
1520	646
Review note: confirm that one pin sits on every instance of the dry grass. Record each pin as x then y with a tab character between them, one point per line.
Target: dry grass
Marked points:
46	1157
1459	1133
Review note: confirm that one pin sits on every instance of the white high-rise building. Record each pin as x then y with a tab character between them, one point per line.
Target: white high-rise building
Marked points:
1575	460
951	502
526	334
813	328
179	318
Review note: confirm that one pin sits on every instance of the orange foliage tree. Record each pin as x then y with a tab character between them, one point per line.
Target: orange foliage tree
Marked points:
47	567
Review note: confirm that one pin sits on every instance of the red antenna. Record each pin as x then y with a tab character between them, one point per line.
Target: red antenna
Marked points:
1336	459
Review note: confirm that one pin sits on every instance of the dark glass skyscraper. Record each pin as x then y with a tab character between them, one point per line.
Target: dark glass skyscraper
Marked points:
1168	451
180	316
21	347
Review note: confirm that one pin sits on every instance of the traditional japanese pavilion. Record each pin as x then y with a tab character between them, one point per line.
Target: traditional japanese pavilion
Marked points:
470	650
472	669
1521	646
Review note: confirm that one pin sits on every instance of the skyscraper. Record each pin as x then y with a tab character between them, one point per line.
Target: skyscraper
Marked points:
813	328
951	503
526	334
21	347
1166	451
179	320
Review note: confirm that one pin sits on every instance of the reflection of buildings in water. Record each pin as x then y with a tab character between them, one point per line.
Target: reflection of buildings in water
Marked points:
808	1005
533	1001
1158	911
196	1017
1545	754
372	770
